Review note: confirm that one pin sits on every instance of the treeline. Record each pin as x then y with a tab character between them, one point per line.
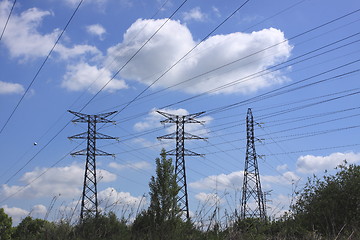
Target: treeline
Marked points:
326	208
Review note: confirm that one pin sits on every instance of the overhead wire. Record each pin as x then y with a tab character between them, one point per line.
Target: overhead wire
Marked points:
254	75
7	20
58	39
262	50
41	66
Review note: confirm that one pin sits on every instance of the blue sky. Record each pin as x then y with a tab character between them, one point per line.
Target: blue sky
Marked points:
295	63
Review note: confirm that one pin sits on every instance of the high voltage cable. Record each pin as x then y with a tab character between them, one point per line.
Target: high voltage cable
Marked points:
257	74
38	152
41	66
291	38
132	57
287	104
36	178
307	105
291	120
179	60
316	149
81	95
7	20
276	93
39	72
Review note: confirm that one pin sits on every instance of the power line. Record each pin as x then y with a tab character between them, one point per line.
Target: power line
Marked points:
41	67
7	20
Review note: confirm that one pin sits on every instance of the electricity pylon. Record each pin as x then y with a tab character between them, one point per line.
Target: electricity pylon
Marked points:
180	152
89	201
252	202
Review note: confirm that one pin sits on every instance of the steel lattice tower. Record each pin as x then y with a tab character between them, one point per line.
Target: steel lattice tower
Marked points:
252	202
180	152
89	202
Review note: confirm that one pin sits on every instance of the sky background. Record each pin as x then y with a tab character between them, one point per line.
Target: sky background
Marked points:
294	63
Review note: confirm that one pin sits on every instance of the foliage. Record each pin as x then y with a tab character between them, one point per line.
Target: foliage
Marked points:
102	227
331	206
32	229
5	225
163	215
326	208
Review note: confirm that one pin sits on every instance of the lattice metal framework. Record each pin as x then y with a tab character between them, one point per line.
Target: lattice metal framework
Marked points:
252	202
89	202
180	152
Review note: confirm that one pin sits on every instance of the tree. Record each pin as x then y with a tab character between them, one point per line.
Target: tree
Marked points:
5	225
331	205
162	218
163	191
33	229
104	226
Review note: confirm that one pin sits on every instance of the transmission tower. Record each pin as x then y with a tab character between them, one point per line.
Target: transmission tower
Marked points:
180	152
252	202
89	202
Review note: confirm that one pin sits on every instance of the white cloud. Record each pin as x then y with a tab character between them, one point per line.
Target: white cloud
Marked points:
234	180
21	37
83	76
66	53
17	214
38	211
194	14
284	179
135	165
24	41
11	88
220	182
110	200
209	198
73	3
174	40
66	181
153	120
96	29
282	167
312	164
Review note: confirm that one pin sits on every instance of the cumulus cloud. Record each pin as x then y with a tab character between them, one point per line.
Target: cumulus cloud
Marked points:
17	214
285	179
11	88
194	14
312	164
134	165
234	180
110	200
220	182
174	40
24	41
83	76
96	29
152	120
38	211
209	198
66	181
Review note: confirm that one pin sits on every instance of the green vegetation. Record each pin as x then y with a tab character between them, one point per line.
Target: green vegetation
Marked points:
326	208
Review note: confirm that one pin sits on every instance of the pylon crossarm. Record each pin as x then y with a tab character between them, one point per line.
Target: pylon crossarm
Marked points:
104	136
105	115
80	152
191	153
81	116
167	136
170	117
99	152
192	136
79	136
